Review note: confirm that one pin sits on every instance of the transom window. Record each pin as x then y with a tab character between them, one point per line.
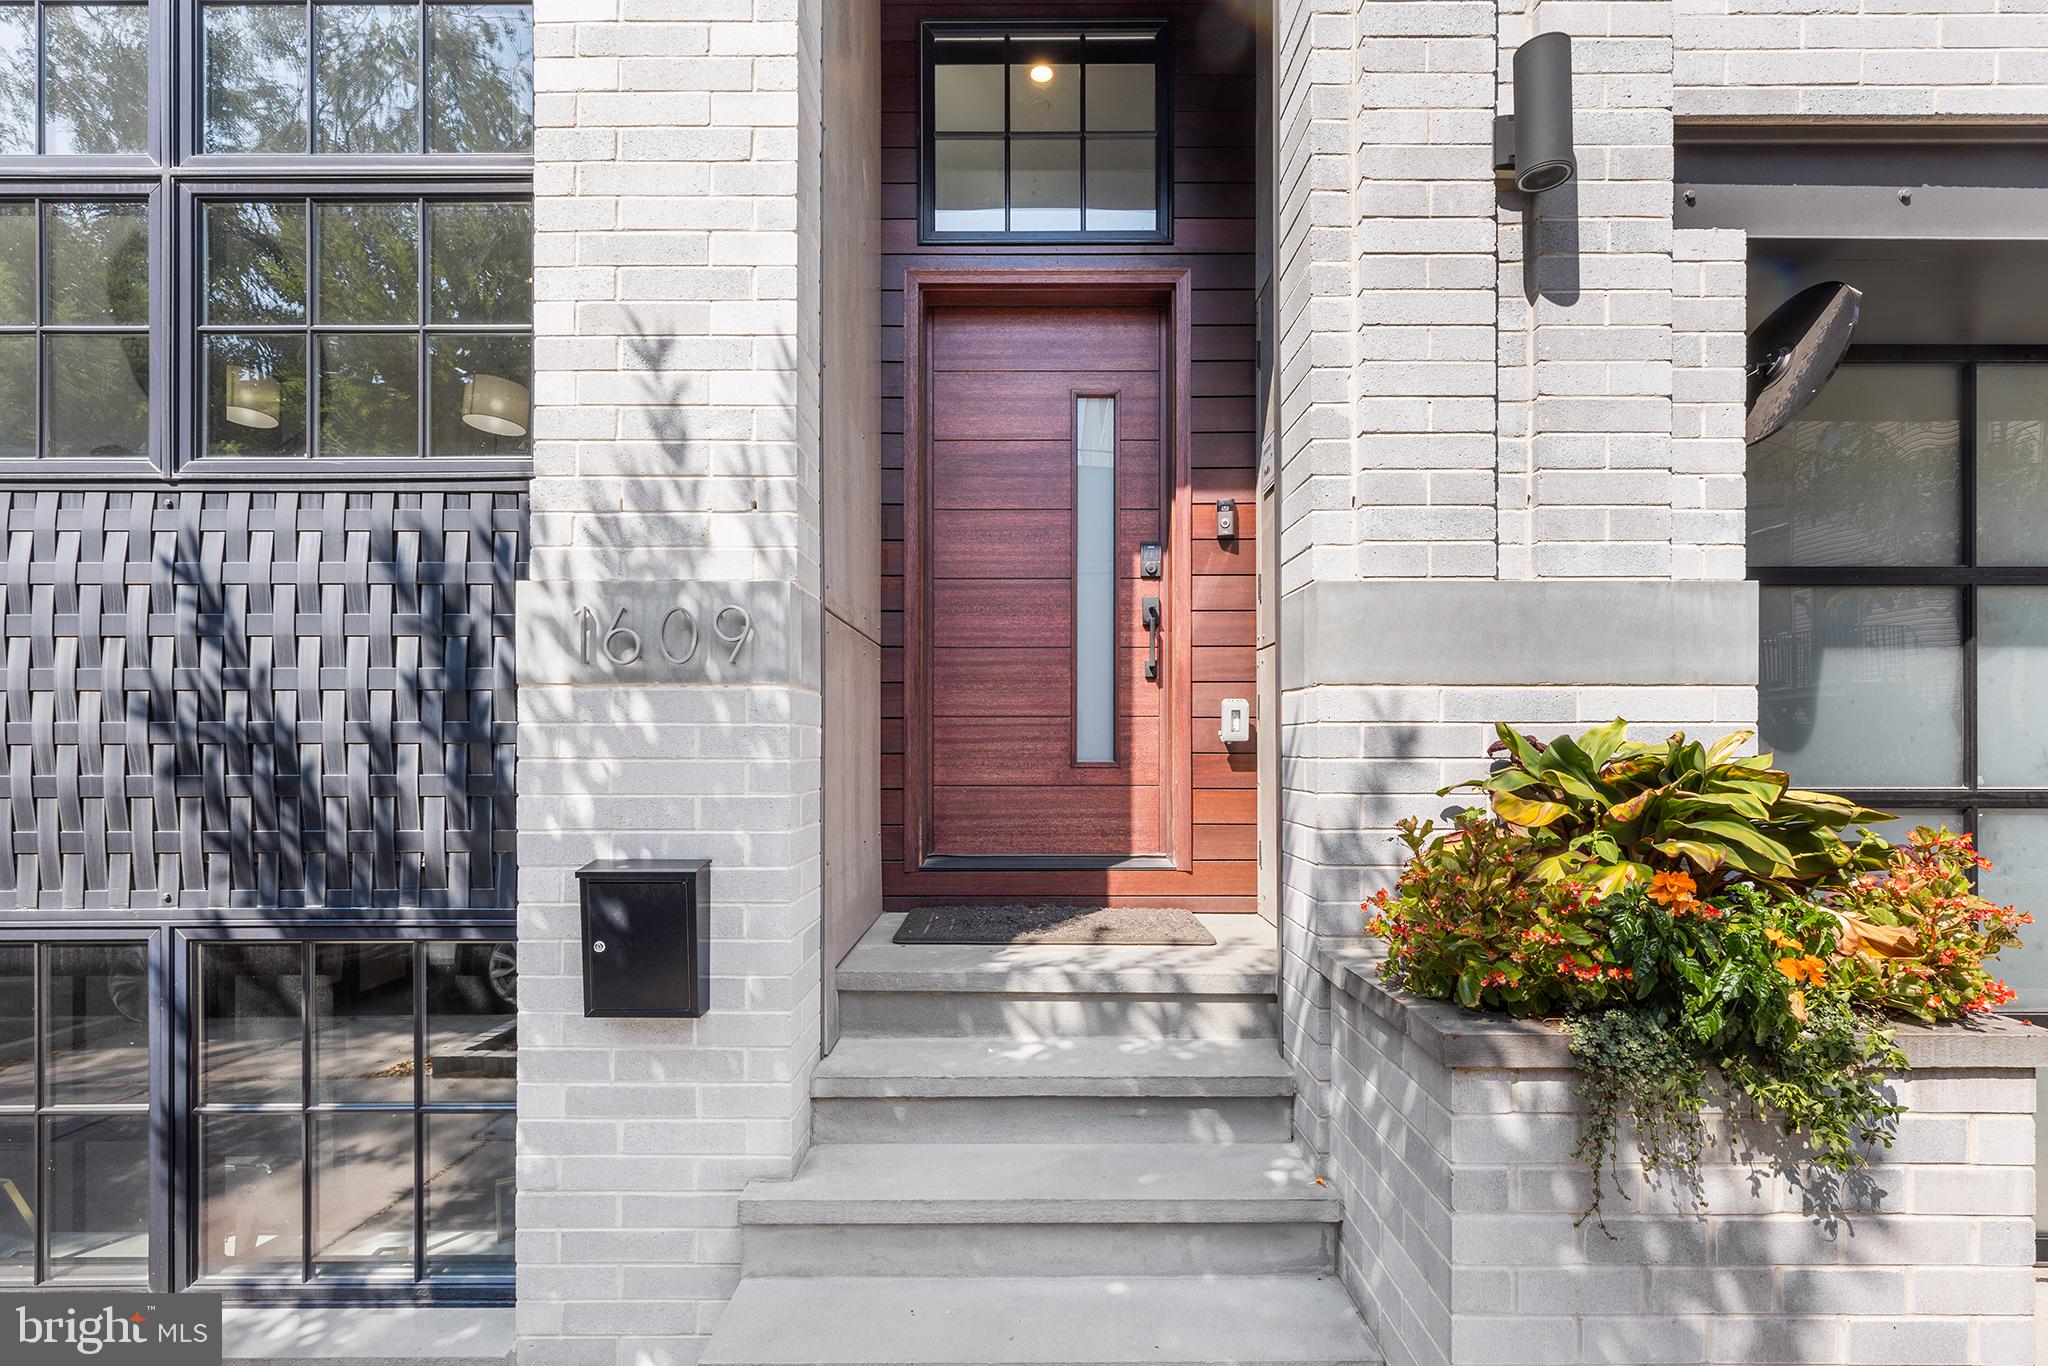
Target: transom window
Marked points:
74	78
1046	133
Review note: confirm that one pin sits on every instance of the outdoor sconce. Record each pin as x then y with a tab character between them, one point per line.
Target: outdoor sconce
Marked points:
646	938
494	404
1533	145
255	399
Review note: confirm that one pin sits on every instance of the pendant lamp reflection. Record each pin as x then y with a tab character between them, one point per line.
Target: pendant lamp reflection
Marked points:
494	404
255	399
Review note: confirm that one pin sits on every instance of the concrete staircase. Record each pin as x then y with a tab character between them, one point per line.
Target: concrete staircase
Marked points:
1040	1155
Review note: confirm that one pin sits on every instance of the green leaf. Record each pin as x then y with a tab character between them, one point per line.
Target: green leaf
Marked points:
1518	746
1745	836
1704	855
1600	743
1520	811
1728	744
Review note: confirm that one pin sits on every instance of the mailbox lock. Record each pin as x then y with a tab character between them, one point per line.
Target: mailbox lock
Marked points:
597	946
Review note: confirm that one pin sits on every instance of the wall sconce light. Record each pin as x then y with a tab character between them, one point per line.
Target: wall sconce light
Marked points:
494	404
255	399
1533	145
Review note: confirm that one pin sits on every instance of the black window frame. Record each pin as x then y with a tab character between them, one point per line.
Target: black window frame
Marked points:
182	1253
156	151
1161	33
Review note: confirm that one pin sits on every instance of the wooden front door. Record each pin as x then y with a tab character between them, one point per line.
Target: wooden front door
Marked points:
1052	679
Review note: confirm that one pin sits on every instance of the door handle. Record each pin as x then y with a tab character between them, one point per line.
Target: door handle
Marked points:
1149	615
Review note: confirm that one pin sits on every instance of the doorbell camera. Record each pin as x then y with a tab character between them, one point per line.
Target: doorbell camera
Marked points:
1226	518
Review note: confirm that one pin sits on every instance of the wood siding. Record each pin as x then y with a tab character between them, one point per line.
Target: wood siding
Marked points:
1213	167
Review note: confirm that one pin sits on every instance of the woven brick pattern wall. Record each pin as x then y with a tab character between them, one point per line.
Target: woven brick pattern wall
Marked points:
259	701
1867	59
1461	1195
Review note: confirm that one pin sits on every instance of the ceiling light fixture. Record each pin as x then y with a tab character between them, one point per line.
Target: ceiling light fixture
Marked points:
1041	73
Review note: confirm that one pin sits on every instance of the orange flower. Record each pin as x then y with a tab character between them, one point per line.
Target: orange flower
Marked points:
1804	969
1780	938
1673	889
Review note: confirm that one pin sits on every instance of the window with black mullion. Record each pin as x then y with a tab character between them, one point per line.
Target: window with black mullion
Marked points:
1899	532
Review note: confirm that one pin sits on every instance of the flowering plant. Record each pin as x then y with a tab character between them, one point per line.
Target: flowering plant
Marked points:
1681	961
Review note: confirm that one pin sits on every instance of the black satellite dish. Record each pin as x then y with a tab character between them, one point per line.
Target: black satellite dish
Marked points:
1794	352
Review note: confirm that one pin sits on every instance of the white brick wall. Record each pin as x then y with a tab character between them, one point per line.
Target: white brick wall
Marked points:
1461	1194
1867	59
676	400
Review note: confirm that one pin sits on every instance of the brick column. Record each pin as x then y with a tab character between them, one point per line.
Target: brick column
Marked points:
676	420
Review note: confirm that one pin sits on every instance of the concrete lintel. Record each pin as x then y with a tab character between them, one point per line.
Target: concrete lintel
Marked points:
364	1335
1463	1039
1519	633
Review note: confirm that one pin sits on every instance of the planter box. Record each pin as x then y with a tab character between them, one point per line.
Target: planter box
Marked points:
1451	1138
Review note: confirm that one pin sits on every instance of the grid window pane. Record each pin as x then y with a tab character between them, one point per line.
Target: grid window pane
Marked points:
1045	97
481	395
1045	185
968	187
96	269
369	263
1122	96
967	98
1123	189
1863	687
96	78
2016	842
97	1197
96	395
250	1212
481	258
251	1009
1868	474
17	264
470	1195
255	262
17	1027
472	1023
366	94
362	1024
2012	683
17	80
19	1195
256	395
369	394
96	1024
480	78
2012	464
362	1195
17	397
256	60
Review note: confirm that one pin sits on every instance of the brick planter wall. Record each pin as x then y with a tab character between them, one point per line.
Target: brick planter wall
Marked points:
1451	1140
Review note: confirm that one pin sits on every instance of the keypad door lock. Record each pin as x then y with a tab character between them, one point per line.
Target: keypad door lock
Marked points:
1151	559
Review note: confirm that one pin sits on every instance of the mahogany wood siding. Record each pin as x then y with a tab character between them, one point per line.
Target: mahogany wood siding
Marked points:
1213	198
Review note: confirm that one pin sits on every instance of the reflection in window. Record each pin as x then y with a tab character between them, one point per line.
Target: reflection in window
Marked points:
1044	132
2012	464
368	79
74	1125
74	319
316	342
90	83
405	1111
1095	580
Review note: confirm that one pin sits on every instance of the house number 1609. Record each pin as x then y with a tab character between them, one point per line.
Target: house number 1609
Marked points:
677	634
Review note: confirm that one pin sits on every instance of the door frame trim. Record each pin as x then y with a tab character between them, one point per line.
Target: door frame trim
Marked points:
923	289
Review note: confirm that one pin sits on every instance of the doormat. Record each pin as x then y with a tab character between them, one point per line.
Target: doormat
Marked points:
1052	925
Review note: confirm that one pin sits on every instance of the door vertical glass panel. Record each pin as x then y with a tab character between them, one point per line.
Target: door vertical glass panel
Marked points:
1095	580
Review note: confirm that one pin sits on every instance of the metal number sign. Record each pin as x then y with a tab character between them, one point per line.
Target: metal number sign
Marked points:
638	631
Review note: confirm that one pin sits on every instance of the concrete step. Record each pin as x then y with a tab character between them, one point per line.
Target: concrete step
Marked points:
1047	992
1183	1249
1015	1321
1044	1183
1095	1090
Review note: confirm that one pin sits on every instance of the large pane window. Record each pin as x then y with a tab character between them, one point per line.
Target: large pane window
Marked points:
1046	132
74	328
355	1108
1899	528
366	79
356	329
74	78
75	1186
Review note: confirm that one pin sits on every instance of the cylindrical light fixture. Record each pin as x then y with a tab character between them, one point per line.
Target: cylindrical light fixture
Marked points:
494	404
255	398
1534	143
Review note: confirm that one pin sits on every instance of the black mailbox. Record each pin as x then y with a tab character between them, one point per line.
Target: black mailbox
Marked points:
646	937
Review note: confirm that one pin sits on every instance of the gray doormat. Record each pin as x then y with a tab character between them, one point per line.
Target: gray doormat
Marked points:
1052	925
